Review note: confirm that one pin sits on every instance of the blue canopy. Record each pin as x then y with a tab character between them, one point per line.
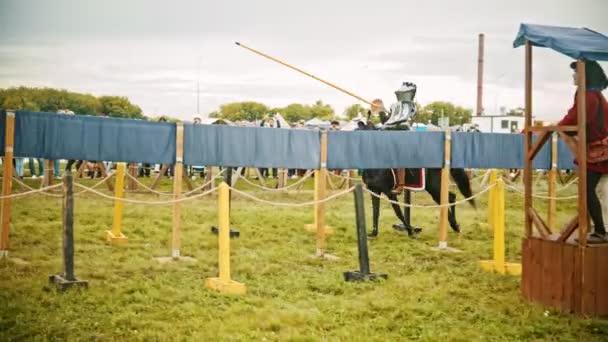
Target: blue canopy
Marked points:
578	43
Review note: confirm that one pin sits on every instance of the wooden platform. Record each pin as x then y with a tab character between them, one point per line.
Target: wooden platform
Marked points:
564	276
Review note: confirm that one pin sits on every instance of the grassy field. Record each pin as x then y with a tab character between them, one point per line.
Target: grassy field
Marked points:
291	295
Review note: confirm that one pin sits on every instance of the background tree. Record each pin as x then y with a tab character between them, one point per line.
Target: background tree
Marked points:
433	111
236	111
118	106
52	100
353	111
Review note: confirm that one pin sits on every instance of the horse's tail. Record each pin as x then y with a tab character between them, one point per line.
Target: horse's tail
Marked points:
464	185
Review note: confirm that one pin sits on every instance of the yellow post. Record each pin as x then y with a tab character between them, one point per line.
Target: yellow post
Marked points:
498	264
492	200
499	228
224	283
445	183
114	236
7	183
177	191
552	209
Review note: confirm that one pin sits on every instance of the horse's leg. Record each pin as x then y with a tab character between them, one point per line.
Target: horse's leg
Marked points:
399	213
375	215
452	213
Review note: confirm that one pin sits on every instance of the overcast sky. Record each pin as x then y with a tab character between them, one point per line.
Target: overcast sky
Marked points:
155	52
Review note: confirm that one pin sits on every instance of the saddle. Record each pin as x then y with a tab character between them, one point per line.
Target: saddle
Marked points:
409	179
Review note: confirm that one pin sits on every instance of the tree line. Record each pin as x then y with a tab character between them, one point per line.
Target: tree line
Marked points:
52	100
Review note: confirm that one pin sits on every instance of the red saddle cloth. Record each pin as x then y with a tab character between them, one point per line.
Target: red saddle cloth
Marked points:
415	179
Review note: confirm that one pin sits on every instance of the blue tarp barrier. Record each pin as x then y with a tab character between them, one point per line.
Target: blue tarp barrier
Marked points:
60	136
384	149
251	146
578	43
494	151
565	158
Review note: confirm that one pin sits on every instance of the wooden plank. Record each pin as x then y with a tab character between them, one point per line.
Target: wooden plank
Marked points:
582	153
539	223
567	302
525	270
538	144
177	191
547	275
553	128
602	281
445	185
576	279
568	229
528	140
536	269
556	269
7	181
589	281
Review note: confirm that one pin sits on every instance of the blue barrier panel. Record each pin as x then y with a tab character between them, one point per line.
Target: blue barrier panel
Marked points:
494	151
60	136
251	146
384	149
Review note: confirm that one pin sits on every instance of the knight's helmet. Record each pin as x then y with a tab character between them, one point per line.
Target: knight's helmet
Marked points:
404	109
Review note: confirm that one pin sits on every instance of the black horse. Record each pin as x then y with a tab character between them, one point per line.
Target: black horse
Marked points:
382	181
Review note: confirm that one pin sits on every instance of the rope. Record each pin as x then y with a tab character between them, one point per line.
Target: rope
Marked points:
61	195
431	206
179	200
30	188
285	188
170	193
540	196
21	194
329	198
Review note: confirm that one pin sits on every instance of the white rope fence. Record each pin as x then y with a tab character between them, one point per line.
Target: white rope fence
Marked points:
61	195
431	206
522	192
34	191
113	198
170	193
303	204
285	188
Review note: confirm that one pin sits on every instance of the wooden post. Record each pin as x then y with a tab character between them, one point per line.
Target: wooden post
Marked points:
67	279
552	208
133	172
282	178
224	283
445	184
7	182
320	181
177	191
48	173
209	177
114	236
582	155
528	142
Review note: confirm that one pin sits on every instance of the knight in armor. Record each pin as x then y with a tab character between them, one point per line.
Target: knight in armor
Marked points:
397	118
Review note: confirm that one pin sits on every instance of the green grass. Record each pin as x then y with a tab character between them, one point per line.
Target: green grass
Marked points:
291	295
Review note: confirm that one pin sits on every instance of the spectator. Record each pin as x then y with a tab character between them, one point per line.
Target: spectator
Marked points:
597	112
